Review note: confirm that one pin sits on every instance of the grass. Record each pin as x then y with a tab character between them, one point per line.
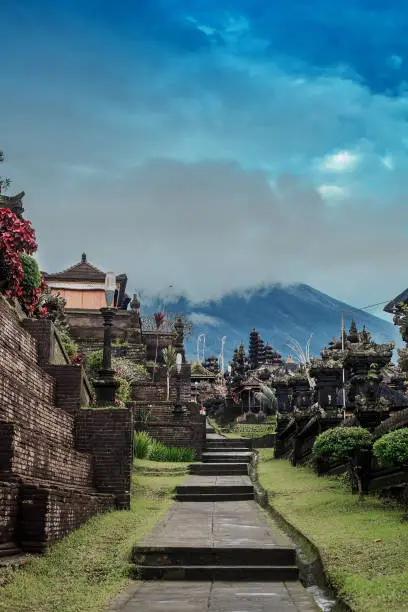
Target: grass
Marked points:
255	430
87	569
363	546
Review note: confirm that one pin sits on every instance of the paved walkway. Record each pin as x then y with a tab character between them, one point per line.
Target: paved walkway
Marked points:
167	596
239	524
237	537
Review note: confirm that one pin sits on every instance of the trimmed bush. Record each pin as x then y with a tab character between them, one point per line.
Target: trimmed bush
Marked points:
94	362
338	444
123	391
391	450
32	275
69	344
141	444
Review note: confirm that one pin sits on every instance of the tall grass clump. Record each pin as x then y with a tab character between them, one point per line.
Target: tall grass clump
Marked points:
161	452
142	443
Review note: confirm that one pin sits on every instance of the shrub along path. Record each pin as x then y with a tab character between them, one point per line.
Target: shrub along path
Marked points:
219	553
363	545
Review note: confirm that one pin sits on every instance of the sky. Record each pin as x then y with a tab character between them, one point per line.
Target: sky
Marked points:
213	145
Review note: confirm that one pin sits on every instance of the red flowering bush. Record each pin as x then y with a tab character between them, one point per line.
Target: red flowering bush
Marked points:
76	359
17	238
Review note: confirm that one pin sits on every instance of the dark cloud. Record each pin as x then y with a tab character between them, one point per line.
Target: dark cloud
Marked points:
208	228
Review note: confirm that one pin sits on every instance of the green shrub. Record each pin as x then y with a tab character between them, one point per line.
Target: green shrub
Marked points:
141	444
123	391
160	452
180	454
94	362
69	344
338	444
391	450
32	274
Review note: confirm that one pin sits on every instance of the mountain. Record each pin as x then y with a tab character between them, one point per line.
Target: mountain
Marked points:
279	313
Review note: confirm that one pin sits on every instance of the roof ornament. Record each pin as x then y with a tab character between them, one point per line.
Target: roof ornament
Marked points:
83	257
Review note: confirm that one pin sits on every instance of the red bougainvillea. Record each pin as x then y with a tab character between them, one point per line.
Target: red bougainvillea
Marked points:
17	236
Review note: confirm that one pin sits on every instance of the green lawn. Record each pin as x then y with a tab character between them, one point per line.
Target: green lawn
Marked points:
88	568
363	545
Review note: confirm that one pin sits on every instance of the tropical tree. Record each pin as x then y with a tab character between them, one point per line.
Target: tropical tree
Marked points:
170	363
267	399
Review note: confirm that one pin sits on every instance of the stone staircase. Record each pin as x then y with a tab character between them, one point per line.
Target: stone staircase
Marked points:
229	564
217	532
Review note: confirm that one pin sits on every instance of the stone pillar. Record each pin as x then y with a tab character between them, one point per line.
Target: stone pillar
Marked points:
106	385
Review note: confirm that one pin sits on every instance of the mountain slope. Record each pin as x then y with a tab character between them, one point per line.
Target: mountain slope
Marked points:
278	313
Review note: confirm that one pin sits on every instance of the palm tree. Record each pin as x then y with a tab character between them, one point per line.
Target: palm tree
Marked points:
267	399
170	363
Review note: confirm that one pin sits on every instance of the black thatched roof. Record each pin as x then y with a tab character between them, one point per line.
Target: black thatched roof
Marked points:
402	297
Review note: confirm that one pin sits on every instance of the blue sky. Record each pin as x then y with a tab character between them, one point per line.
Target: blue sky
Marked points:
213	145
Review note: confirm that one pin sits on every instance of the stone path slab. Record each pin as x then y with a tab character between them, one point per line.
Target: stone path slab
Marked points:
215	597
216	524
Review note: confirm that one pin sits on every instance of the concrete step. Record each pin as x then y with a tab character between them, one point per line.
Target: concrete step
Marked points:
207	489
251	573
226	449
9	553
213	457
213	497
174	556
230	442
219	469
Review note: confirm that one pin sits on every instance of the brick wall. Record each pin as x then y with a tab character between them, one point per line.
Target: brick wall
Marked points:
186	431
65	510
99	429
34	459
49	345
8	510
68	386
48	483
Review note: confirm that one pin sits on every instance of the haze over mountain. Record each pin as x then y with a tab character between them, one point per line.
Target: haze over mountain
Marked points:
278	312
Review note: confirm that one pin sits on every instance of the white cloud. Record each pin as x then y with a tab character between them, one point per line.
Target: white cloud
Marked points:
200	318
332	192
342	161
